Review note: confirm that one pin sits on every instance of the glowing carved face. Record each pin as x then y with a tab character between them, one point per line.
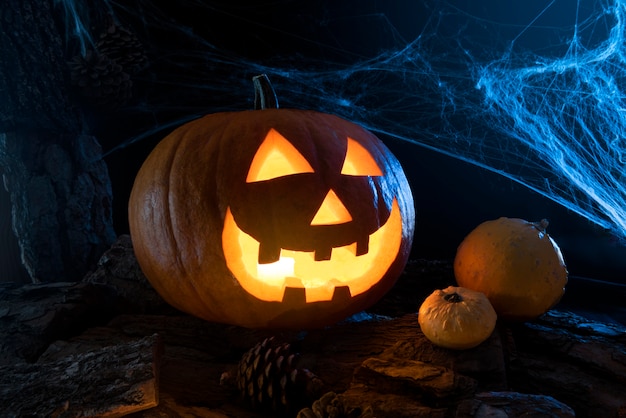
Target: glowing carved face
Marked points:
327	238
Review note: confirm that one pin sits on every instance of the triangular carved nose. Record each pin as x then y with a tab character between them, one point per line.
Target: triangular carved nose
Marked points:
331	212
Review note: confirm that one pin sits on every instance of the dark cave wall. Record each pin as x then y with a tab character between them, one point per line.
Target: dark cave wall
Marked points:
58	185
11	269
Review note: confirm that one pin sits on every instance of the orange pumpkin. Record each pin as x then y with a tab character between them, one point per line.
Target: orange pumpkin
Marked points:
271	218
516	264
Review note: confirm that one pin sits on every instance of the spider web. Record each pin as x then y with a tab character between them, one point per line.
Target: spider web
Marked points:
532	93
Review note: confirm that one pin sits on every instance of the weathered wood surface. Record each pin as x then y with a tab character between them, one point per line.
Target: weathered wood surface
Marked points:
570	357
110	381
33	316
377	362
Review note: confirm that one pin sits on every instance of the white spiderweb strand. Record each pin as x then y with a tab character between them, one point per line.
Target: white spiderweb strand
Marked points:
551	118
570	113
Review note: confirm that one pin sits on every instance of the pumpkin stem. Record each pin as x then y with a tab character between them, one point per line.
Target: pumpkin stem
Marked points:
453	298
264	94
541	225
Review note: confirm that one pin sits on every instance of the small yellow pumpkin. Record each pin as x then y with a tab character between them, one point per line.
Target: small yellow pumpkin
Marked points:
457	318
516	264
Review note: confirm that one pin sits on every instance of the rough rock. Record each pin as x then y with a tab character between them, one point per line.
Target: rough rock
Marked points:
61	201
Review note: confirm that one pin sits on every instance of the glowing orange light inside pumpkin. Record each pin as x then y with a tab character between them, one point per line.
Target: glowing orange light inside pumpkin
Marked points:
299	269
331	212
276	157
359	162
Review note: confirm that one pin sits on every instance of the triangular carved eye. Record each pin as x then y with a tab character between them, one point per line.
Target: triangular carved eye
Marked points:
276	157
359	162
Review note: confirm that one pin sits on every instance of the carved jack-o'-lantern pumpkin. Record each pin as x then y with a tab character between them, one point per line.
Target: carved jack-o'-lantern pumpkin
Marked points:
271	218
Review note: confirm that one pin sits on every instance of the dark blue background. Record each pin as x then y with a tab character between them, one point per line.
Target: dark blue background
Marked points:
202	55
451	196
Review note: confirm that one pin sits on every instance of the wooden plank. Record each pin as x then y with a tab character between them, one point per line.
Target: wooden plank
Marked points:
111	381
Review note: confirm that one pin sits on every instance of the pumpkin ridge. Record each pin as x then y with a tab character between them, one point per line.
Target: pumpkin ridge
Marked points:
162	159
216	143
168	169
190	285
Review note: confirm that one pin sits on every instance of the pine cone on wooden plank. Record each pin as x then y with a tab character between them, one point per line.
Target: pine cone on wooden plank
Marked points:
269	379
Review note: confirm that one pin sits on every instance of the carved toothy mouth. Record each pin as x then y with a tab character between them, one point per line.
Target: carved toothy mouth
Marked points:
321	279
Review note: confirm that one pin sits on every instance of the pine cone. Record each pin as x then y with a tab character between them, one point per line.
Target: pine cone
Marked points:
99	80
122	46
268	378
